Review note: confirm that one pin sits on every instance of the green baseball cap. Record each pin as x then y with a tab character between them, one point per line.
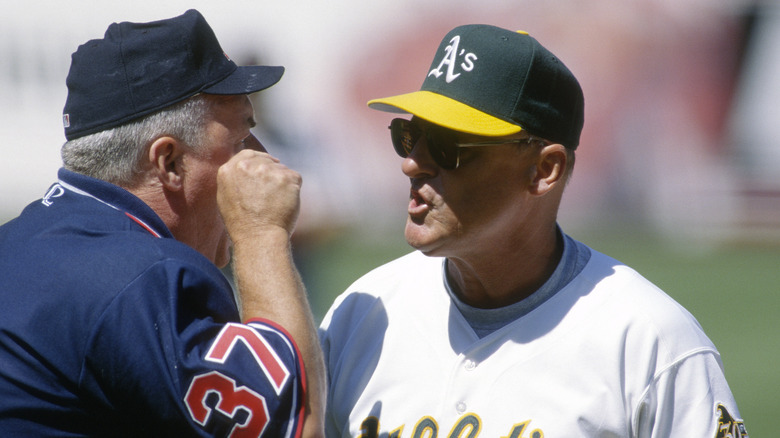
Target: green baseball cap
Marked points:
493	82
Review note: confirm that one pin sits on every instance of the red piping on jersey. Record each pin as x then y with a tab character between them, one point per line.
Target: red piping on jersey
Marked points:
304	386
145	227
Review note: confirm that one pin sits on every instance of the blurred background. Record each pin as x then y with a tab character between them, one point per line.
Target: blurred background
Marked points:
676	173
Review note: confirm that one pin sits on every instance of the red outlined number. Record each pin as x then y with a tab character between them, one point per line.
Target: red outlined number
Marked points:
231	399
266	358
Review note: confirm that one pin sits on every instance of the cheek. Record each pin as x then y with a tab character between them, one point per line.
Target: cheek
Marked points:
481	203
204	210
465	200
203	182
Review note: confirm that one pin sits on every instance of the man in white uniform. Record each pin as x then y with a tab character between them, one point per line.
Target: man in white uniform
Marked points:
501	325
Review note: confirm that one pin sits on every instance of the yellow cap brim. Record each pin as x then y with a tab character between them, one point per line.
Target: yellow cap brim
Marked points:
445	112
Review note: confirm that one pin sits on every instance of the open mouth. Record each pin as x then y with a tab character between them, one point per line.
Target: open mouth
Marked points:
418	206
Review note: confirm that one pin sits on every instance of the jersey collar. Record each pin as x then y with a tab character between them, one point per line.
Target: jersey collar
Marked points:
116	198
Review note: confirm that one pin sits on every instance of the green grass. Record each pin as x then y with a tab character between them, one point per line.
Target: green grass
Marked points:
732	291
330	267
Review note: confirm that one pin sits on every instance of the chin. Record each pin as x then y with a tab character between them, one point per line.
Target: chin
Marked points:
423	243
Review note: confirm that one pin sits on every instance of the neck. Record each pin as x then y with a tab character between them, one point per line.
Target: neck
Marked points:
153	195
510	272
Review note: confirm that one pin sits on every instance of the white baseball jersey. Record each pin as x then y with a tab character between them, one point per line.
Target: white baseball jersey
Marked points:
609	355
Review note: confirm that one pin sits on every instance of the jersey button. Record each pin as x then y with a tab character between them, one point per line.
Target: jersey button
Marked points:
470	365
460	407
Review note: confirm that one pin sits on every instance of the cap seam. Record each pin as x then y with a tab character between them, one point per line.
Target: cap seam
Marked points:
521	93
124	67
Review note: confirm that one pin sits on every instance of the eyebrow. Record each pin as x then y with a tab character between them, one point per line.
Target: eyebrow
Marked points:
251	121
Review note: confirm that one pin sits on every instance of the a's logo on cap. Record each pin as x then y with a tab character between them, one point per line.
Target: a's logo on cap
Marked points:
451	61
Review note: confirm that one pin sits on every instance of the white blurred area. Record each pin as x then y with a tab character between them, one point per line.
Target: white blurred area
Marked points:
681	100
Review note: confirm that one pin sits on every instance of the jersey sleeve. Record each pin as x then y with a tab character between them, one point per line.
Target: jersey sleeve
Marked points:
690	398
170	354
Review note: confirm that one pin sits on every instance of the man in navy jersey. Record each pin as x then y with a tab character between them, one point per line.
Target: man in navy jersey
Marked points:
116	320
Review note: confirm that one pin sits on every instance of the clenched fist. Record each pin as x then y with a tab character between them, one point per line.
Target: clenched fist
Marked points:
256	192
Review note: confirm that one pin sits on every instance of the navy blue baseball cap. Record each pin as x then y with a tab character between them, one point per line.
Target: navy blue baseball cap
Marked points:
140	68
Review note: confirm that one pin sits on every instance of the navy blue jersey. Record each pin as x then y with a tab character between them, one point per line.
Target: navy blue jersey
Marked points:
111	327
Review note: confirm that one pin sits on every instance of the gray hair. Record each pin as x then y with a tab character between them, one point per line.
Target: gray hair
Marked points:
570	157
117	155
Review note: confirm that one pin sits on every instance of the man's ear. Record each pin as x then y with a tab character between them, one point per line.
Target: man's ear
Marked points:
165	158
550	169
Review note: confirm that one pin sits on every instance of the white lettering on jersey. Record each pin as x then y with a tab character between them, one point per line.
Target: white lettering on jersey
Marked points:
54	192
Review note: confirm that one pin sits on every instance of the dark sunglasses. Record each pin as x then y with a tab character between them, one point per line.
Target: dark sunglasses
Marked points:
442	142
